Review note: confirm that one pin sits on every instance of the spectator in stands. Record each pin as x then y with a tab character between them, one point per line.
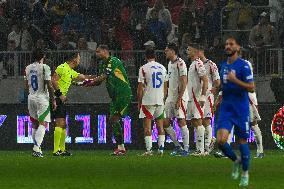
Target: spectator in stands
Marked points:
185	41
86	57
157	30
21	37
149	45
65	44
263	34
57	9
41	44
73	21
10	60
164	15
232	14
113	42
216	52
276	12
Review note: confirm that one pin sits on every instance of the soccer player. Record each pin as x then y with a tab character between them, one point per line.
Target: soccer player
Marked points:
213	87
38	81
177	99
197	90
151	94
61	80
119	90
237	81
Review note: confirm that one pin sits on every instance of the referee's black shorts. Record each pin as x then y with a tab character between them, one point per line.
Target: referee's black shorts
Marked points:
60	111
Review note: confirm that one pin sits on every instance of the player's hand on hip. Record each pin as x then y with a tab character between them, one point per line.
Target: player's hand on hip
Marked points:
178	103
231	76
201	103
63	98
54	105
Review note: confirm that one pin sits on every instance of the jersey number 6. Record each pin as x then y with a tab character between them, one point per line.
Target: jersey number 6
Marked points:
157	80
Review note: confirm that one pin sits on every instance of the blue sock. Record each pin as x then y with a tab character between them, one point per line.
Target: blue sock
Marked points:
228	151
245	155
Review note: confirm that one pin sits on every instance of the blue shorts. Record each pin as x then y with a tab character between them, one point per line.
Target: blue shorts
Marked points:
240	124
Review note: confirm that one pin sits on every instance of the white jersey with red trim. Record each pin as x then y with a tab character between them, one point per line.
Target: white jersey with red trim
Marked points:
252	96
176	69
194	86
153	75
212	73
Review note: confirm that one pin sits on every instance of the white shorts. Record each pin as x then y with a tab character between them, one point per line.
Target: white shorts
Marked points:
171	111
194	111
254	115
208	107
39	108
152	111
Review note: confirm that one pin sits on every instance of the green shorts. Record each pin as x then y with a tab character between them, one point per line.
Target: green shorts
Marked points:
120	106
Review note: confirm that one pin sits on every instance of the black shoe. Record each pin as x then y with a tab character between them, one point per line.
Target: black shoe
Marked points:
66	153
58	153
37	154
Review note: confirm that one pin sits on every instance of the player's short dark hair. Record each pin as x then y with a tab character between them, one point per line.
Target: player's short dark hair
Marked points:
104	47
173	47
233	38
150	53
38	54
72	55
197	46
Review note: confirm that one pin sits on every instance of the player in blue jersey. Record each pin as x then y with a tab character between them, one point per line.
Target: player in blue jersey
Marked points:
237	81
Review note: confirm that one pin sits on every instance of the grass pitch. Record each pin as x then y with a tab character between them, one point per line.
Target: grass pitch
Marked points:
98	170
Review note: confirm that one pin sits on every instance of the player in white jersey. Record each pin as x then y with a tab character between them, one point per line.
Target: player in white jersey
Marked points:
254	118
213	87
197	90
177	99
151	93
38	81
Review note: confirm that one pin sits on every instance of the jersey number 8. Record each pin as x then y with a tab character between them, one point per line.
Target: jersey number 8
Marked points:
157	80
34	82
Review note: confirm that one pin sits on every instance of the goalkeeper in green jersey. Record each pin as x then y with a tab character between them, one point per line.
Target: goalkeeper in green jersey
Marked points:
118	87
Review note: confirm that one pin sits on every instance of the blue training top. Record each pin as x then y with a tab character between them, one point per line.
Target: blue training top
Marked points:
235	99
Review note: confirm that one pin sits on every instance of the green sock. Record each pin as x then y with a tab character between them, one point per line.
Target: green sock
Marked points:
62	140
118	133
57	136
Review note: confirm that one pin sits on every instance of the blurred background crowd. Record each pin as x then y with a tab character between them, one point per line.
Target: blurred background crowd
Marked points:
128	24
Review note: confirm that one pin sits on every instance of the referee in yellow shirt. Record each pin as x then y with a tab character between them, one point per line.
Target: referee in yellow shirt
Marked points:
62	79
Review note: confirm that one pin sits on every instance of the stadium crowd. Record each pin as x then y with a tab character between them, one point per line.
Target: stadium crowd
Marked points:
128	24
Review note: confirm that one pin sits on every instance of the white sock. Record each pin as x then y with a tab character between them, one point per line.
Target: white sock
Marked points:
245	174
148	142
230	137
185	137
258	138
39	135
33	135
208	137
173	135
161	142
200	130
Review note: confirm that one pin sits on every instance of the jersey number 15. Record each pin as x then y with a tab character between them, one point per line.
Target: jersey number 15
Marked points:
157	80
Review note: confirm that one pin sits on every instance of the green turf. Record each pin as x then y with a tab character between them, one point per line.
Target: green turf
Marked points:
97	170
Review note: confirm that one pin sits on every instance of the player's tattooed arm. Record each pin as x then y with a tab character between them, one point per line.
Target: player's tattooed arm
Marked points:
140	90
247	86
51	93
202	99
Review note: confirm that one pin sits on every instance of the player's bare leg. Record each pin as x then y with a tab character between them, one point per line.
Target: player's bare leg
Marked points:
118	134
258	138
209	141
171	132
200	130
161	136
